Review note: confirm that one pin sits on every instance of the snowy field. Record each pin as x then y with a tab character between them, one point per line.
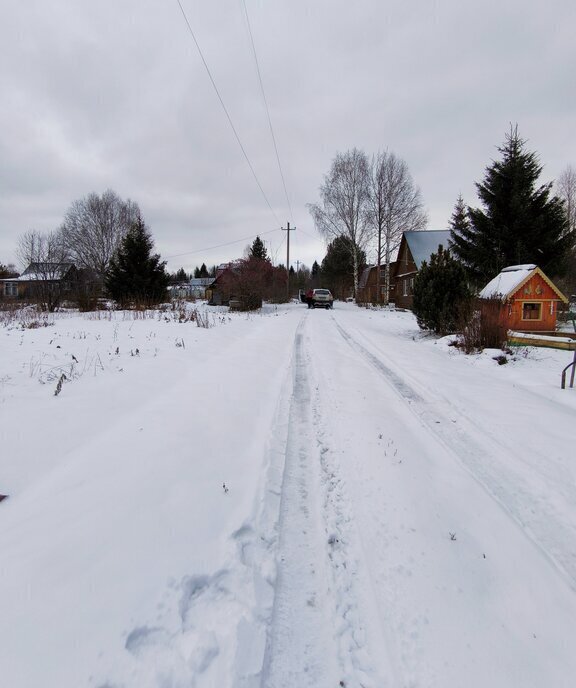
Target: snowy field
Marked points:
288	499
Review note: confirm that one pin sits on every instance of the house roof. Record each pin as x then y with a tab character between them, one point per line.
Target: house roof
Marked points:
45	271
513	278
201	281
364	276
424	243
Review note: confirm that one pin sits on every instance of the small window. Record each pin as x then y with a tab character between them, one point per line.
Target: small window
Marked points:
532	311
405	283
10	289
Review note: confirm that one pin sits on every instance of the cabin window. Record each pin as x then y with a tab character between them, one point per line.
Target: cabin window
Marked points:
10	289
532	311
405	283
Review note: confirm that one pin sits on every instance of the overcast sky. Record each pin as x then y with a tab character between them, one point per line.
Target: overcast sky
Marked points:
98	95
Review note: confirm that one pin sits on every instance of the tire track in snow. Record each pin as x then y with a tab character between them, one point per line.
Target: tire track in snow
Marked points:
317	637
476	451
358	640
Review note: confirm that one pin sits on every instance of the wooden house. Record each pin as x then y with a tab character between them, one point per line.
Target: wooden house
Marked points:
415	248
218	292
39	278
523	299
368	284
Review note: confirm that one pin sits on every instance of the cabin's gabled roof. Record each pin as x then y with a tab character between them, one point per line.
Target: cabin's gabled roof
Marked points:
513	278
424	243
364	276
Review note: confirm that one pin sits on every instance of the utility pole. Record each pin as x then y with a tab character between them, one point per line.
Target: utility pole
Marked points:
288	229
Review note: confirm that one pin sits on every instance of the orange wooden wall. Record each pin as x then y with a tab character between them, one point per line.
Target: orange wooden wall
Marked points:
536	290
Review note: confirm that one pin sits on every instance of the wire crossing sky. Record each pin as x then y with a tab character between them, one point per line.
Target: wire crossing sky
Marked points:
267	110
95	100
226	111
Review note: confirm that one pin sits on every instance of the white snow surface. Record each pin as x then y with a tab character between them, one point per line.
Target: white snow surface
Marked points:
289	499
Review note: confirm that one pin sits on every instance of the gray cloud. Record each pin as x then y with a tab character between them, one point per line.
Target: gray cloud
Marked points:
102	95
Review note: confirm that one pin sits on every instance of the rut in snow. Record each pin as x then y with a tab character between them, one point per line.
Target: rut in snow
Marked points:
485	460
316	637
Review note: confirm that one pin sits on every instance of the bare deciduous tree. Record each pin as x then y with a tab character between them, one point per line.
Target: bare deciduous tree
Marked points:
344	195
45	259
94	226
394	206
48	250
566	186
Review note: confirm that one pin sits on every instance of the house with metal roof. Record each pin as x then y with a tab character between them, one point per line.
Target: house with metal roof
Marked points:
415	248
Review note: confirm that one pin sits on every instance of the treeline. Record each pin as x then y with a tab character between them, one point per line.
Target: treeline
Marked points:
106	242
520	222
366	203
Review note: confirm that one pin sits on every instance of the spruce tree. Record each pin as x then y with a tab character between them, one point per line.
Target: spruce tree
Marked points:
442	298
519	223
337	268
459	222
258	250
135	275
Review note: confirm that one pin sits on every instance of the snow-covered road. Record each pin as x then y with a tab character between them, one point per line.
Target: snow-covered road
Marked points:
298	499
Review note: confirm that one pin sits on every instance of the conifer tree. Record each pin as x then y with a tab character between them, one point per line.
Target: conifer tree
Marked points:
442	298
258	250
135	274
459	222
337	268
520	222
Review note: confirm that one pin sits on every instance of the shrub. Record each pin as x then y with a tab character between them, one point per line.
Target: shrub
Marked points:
483	329
442	298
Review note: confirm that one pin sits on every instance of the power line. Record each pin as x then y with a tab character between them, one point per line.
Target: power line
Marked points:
228	243
320	241
267	108
226	110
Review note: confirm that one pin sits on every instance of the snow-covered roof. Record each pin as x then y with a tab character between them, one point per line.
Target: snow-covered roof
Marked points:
45	271
423	244
507	281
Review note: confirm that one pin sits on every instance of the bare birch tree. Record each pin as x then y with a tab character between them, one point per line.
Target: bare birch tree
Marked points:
566	186
394	206
344	195
94	227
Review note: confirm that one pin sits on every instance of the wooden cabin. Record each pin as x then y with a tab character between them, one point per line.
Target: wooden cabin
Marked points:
368	284
524	298
415	248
